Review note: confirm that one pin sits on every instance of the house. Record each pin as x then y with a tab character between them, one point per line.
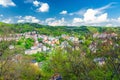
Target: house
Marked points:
93	47
37	48
33	50
35	63
17	57
44	48
104	35
11	47
64	44
100	61
1	39
95	35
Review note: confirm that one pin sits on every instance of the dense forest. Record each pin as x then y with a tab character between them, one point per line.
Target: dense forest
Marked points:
92	58
55	31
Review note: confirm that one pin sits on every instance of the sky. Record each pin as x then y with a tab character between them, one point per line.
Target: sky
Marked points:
61	12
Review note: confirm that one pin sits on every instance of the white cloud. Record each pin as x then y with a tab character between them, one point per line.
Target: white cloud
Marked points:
36	3
108	25
119	18
49	20
7	20
89	17
6	3
1	15
21	21
94	16
106	6
18	17
30	19
80	12
63	12
77	20
55	22
115	22
102	18
41	7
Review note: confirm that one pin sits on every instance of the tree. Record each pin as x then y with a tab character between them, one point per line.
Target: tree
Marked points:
40	40
16	66
29	43
71	65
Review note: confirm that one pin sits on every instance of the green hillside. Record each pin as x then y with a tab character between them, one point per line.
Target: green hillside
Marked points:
56	30
41	52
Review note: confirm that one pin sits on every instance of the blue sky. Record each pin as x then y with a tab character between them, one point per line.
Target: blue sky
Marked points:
61	12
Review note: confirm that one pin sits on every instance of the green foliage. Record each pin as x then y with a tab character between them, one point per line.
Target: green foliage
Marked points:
26	43
39	57
74	65
19	70
71	63
61	40
29	43
50	30
47	45
40	40
4	45
13	67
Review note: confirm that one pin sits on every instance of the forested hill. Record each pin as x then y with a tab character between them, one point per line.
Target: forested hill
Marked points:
50	30
74	53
